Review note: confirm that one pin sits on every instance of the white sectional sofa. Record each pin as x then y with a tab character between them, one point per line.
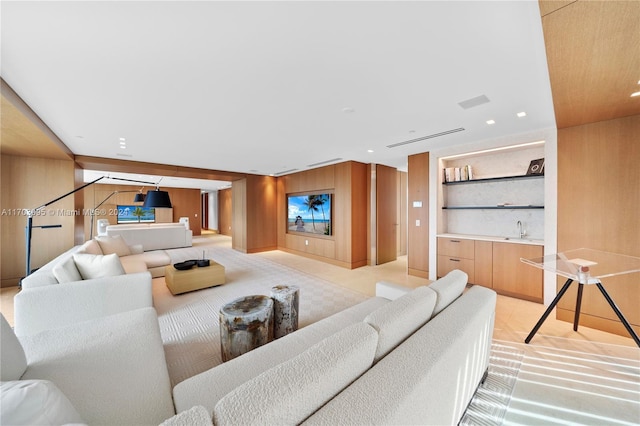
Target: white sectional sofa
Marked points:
154	236
58	293
415	359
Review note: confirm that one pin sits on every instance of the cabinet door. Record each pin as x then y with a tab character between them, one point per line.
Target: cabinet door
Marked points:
456	247
514	278
447	264
484	263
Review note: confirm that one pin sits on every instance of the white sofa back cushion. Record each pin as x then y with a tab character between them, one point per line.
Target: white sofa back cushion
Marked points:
97	266
13	361
399	319
448	288
113	244
90	247
66	271
290	392
35	402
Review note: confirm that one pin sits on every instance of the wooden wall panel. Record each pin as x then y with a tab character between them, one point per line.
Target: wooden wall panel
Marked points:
418	236
224	211
401	242
347	246
186	203
598	205
261	193
386	214
239	215
28	183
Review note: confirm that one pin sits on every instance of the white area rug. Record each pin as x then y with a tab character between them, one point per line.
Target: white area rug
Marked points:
490	402
189	322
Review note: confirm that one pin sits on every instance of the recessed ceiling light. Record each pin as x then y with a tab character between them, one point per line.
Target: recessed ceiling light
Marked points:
634	94
521	114
123	146
348	110
491	122
122	139
369	151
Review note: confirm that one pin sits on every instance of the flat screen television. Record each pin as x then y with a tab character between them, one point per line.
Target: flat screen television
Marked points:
136	214
310	213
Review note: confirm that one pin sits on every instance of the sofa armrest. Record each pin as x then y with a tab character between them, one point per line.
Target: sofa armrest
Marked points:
55	306
391	291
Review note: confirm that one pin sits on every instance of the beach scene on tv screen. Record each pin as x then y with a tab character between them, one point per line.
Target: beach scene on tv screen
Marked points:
135	214
309	213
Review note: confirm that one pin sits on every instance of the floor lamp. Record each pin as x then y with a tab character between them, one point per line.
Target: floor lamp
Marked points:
159	199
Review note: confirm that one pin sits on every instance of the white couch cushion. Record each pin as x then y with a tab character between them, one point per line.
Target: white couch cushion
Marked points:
399	319
97	266
112	369
35	402
113	244
448	288
290	392
66	271
12	358
90	247
194	416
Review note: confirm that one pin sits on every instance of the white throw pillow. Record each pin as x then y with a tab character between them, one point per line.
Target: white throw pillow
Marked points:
399	319
115	244
97	266
35	402
90	247
66	272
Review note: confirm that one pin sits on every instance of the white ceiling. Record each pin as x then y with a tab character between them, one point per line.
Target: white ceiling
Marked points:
269	87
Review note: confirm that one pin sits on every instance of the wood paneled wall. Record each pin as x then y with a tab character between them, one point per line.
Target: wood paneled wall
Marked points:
418	236
224	211
28	183
185	202
598	205
254	214
348	245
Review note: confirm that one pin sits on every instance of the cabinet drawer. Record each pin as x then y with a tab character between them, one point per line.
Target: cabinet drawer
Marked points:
447	264
456	247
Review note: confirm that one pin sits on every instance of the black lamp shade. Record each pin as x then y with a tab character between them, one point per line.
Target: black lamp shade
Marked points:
139	197
157	198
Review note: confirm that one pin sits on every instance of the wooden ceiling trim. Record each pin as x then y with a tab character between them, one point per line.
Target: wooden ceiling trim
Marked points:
125	166
592	53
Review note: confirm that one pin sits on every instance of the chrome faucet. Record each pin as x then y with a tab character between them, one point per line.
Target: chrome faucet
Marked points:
521	230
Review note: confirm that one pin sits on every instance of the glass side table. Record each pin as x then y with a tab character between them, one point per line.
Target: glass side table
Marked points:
587	267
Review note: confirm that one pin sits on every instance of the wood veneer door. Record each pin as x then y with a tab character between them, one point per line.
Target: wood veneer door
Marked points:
511	276
386	214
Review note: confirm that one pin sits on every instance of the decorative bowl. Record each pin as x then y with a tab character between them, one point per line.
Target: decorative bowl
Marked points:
203	262
183	266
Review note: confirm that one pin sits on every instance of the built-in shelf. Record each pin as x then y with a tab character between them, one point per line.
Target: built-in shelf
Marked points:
459	182
507	207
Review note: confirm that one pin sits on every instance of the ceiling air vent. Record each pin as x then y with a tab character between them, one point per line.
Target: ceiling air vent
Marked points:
285	172
474	102
333	160
435	135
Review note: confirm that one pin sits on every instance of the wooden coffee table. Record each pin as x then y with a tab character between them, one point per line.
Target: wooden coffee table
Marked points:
195	278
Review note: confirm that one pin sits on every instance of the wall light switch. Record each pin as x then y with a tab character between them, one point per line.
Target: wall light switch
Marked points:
306	242
417	204
417	222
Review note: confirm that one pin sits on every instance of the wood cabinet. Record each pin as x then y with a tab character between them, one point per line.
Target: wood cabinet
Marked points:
456	253
494	265
511	277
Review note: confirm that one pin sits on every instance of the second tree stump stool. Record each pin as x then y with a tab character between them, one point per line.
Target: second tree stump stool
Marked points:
245	324
285	309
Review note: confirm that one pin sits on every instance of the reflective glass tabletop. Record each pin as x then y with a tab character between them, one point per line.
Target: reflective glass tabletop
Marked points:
586	266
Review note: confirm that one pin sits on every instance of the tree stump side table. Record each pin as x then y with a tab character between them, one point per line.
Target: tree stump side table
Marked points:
245	324
286	300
